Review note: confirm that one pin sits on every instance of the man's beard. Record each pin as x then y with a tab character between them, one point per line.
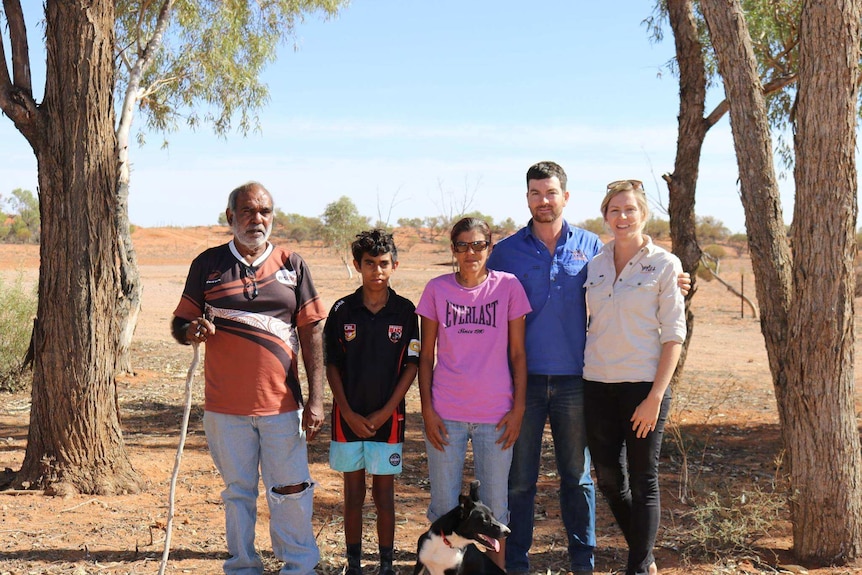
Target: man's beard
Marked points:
251	243
547	217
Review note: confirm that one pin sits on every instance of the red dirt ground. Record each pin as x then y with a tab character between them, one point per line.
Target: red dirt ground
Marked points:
724	414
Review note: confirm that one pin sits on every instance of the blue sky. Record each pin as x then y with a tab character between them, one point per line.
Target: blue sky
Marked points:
408	107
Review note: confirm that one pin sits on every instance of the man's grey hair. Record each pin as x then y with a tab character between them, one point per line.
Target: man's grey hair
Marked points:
246	187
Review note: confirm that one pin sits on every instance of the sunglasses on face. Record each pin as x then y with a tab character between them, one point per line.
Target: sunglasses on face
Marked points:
478	246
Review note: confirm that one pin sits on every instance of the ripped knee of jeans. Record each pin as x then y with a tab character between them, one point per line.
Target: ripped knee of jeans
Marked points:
292	489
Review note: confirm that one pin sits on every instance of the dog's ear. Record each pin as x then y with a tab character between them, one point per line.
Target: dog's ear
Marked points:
465	504
474	490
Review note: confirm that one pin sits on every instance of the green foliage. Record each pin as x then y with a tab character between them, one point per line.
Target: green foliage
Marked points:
212	54
23	223
657	228
742	239
341	223
715	251
711	229
704	270
297	227
414	223
505	228
710	262
595	225
438	226
17	310
774	33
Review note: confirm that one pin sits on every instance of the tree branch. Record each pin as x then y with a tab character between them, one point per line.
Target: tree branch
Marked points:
5	79
16	97
20	49
133	89
778	84
774	85
156	86
717	113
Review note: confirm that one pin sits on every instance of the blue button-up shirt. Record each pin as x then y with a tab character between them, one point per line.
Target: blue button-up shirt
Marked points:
557	326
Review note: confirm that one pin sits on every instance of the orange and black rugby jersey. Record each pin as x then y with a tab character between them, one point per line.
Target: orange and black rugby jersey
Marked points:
250	365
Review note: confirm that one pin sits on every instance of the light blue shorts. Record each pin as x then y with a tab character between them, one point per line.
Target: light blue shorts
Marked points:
373	456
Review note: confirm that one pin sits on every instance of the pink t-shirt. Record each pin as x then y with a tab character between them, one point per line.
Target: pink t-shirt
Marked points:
472	381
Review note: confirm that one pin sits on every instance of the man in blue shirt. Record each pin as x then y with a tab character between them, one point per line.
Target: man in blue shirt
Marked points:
550	258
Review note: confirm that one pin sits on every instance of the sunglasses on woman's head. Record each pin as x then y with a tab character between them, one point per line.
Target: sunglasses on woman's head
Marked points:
636	184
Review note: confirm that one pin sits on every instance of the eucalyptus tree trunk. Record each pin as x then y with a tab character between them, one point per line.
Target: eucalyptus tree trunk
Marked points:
806	306
74	443
131	292
682	183
824	440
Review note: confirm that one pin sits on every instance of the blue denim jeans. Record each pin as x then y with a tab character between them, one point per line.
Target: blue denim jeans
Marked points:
244	448
559	398
490	460
626	465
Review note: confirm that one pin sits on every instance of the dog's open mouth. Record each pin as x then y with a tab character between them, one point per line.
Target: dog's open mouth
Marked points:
489	542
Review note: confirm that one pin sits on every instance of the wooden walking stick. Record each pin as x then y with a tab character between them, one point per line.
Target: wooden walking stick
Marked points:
190	377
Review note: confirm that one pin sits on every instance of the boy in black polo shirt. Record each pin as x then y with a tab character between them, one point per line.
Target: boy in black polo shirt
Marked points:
372	353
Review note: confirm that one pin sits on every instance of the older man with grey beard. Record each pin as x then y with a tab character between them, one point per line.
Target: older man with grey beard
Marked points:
255	307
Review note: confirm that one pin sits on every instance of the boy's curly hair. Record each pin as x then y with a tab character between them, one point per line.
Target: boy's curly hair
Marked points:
374	242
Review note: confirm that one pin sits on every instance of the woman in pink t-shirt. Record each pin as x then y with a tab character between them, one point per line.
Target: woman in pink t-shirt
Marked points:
474	319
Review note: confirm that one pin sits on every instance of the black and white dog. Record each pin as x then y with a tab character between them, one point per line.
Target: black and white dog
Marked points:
445	548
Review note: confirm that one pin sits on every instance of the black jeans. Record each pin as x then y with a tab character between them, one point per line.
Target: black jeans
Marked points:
626	466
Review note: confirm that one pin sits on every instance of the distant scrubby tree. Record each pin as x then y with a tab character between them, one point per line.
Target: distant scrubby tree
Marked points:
595	225
22	223
298	227
657	228
505	228
341	223
711	229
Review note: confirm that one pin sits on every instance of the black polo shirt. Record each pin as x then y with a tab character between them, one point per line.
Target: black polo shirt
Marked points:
371	350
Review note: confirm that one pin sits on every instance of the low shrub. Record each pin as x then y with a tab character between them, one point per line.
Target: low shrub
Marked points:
17	310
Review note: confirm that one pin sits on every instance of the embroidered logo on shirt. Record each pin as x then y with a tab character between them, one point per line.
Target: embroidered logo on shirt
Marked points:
349	331
286	277
580	255
395	333
647	269
214	277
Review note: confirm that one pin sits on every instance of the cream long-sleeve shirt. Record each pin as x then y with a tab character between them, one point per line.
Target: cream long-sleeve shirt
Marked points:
630	317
